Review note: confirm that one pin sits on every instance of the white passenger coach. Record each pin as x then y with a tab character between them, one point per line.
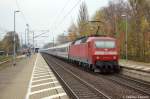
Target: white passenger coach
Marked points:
60	50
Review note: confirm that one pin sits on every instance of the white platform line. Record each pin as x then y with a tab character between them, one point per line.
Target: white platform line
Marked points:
44	73
146	68
42	66
41	69
55	96
41	76
43	79
48	89
44	84
38	71
132	66
139	67
30	83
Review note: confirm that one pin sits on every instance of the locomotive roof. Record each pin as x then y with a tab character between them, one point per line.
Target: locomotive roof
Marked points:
90	38
102	38
96	37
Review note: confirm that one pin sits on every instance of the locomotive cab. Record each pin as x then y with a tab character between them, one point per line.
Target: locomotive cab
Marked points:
105	50
104	54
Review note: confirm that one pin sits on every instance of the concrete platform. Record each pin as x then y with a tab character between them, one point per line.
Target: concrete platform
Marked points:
138	70
14	80
31	78
135	65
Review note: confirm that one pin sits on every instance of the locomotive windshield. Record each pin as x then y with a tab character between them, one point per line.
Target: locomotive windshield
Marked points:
105	44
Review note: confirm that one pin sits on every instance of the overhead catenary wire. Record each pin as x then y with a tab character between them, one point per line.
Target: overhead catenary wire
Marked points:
23	16
70	11
57	16
66	15
26	22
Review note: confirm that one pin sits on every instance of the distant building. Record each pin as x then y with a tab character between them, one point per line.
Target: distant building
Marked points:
36	50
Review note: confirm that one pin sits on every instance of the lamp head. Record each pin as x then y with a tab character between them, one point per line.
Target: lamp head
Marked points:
17	11
123	15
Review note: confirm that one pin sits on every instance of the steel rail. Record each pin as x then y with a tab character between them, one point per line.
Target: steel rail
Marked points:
63	81
126	85
133	79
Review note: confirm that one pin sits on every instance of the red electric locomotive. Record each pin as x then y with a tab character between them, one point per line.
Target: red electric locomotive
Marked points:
95	52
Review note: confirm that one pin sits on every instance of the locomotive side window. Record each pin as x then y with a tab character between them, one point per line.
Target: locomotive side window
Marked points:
105	44
77	42
84	40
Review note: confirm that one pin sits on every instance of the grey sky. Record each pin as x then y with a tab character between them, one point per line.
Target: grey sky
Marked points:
42	15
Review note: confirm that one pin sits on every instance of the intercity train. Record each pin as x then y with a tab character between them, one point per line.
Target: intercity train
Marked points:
98	53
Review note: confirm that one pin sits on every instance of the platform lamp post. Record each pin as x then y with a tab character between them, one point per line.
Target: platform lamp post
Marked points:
27	25
126	36
14	44
33	43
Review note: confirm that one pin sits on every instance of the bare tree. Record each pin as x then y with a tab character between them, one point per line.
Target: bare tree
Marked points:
73	32
8	42
83	19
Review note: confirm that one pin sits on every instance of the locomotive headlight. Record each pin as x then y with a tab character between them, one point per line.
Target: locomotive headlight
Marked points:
97	57
114	57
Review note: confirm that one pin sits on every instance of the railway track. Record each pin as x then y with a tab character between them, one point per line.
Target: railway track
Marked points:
80	89
136	73
116	87
140	86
